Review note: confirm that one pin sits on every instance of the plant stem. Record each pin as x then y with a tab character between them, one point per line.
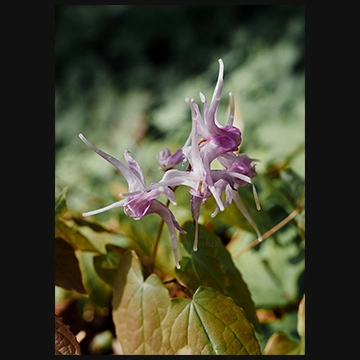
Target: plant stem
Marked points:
273	230
158	237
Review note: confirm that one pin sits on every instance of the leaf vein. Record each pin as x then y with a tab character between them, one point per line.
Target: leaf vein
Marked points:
224	324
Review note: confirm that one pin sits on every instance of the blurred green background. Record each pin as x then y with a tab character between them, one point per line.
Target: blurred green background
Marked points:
122	73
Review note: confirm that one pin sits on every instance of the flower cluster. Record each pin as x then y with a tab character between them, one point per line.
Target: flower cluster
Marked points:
208	140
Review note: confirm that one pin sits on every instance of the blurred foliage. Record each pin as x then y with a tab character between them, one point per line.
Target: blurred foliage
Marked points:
122	73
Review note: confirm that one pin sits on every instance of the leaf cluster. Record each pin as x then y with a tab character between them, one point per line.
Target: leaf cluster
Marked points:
205	307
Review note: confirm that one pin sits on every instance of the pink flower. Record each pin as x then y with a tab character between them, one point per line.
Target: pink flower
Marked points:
208	140
239	170
217	141
139	201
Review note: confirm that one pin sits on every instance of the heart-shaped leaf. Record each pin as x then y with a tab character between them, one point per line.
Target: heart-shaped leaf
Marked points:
212	266
209	324
280	344
139	307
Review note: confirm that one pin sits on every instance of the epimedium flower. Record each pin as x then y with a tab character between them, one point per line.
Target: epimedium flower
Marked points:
220	142
221	138
242	169
139	201
208	140
217	141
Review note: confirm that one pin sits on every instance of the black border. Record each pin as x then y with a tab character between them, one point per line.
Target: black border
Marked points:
30	58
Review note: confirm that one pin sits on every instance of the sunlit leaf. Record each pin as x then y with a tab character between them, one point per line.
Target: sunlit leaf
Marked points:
301	322
102	343
186	350
67	273
209	324
280	344
139	307
65	340
211	265
74	237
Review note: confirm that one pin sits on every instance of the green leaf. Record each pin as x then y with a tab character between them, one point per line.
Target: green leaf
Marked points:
106	265
67	273
294	184
65	340
98	290
60	202
273	272
142	233
284	190
139	307
212	266
74	237
209	324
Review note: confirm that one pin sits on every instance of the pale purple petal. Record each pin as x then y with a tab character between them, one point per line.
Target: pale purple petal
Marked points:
163	155
136	171
168	160
216	96
238	162
232	110
174	177
109	207
164	212
201	127
137	206
242	208
120	166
